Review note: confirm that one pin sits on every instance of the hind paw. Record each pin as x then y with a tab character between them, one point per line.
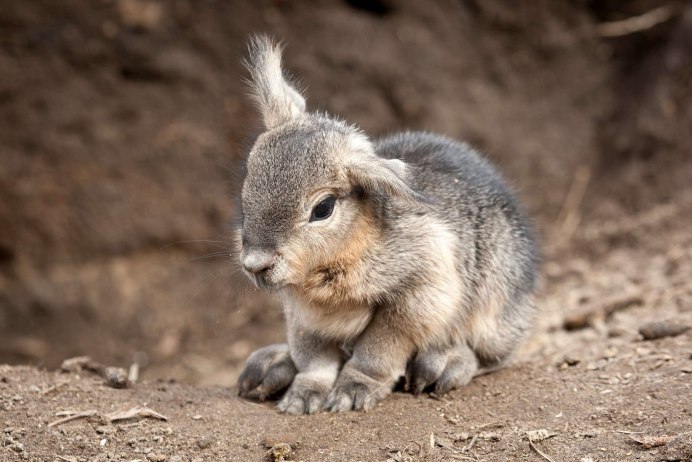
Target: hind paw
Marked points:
441	370
267	371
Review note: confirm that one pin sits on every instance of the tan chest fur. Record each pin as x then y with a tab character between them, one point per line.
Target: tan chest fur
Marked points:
344	322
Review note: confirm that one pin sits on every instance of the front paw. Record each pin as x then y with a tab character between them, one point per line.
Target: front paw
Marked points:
306	395
355	390
267	371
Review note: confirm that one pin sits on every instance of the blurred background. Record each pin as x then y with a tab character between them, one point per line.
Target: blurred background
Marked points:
123	125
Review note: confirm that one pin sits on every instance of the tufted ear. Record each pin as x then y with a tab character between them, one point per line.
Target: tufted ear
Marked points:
376	174
277	100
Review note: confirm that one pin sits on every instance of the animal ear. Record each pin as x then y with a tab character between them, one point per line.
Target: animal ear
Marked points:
278	101
384	176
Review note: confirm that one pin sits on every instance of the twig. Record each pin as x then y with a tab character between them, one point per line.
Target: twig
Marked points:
133	374
67	458
78	415
636	23
461	457
411	443
627	432
490	425
135	412
53	388
470	445
540	453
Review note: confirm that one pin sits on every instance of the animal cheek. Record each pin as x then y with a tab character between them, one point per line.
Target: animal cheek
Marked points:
296	259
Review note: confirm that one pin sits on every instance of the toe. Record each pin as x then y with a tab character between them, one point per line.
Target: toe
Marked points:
419	385
315	402
278	378
459	372
292	405
249	379
340	402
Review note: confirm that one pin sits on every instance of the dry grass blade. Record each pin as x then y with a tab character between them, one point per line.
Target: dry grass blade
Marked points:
135	412
539	452
73	416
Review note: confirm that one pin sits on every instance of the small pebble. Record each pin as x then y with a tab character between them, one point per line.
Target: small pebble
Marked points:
610	353
116	377
463	436
661	329
204	442
105	430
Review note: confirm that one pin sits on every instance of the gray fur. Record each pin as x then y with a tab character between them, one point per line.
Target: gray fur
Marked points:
426	260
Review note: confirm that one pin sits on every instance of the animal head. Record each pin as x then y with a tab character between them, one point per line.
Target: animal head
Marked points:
309	177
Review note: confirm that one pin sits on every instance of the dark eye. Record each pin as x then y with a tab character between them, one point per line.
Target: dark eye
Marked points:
324	209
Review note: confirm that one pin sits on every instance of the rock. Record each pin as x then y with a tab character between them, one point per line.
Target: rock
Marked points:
651	441
116	377
660	329
539	435
156	457
105	430
279	452
74	364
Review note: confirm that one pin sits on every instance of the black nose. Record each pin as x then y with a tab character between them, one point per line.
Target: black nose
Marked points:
258	261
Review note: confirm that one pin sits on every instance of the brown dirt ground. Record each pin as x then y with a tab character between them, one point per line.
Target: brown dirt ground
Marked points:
121	126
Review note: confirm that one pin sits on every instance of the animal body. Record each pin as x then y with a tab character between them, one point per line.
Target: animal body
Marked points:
404	256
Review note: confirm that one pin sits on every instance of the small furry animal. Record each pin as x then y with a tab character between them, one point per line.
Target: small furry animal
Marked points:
405	256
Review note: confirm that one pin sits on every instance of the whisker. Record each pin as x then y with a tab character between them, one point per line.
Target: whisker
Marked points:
225	253
219	244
